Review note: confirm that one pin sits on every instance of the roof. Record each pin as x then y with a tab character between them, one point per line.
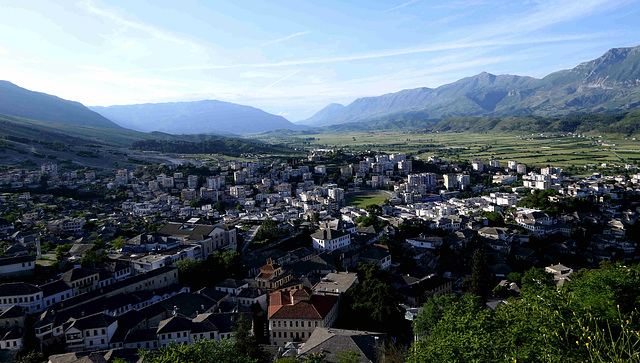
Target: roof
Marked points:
13	311
77	274
175	323
338	282
231	283
55	287
18	259
251	292
18	288
329	234
317	307
82	248
190	231
93	321
142	335
376	253
334	341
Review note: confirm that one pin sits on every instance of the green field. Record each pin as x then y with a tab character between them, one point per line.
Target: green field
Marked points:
532	150
364	200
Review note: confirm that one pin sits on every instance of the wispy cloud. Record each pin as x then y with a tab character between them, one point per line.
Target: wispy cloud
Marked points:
401	6
90	7
278	81
3	51
290	36
392	53
255	74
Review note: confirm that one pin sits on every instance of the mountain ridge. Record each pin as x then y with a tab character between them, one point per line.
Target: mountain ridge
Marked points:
609	83
21	102
205	116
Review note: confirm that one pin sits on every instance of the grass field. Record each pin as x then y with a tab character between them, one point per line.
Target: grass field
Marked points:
364	200
532	150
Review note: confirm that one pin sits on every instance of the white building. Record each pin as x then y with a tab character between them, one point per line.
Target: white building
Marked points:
330	239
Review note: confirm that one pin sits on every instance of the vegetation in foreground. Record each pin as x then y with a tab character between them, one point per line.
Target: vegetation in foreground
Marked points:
594	318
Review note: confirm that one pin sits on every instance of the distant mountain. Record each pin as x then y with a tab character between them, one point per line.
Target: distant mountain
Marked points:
607	84
20	102
197	117
624	124
328	112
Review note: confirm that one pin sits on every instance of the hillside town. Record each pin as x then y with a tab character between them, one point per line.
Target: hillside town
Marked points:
103	263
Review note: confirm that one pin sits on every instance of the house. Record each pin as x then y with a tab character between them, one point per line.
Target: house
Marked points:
272	277
425	241
293	315
332	342
21	294
336	283
252	295
330	239
55	291
415	289
91	332
81	280
17	266
560	273
231	286
378	255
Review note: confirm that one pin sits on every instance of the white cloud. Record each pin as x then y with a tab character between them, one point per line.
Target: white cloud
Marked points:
453	45
3	51
256	74
401	6
294	35
89	6
278	81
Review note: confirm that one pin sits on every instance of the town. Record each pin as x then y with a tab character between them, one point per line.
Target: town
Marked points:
102	263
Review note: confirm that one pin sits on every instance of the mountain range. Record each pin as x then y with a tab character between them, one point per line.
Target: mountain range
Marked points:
19	102
199	117
608	84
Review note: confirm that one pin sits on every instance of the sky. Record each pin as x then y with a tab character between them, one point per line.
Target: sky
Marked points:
292	58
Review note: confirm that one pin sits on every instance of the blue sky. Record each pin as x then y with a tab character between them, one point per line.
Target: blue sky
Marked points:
293	57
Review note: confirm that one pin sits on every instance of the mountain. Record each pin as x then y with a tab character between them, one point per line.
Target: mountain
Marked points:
328	112
209	116
608	84
20	102
623	124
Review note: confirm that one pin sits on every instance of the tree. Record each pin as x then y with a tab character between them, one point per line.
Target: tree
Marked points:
246	342
118	243
191	273
348	356
201	351
478	283
372	304
268	232
318	357
374	210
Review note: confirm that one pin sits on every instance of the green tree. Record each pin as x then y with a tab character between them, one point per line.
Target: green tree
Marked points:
246	342
479	283
348	356
268	232
318	357
201	351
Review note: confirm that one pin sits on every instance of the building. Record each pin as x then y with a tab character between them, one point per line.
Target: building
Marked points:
21	294
425	241
332	342
336	283
295	314
330	239
90	333
17	266
272	278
